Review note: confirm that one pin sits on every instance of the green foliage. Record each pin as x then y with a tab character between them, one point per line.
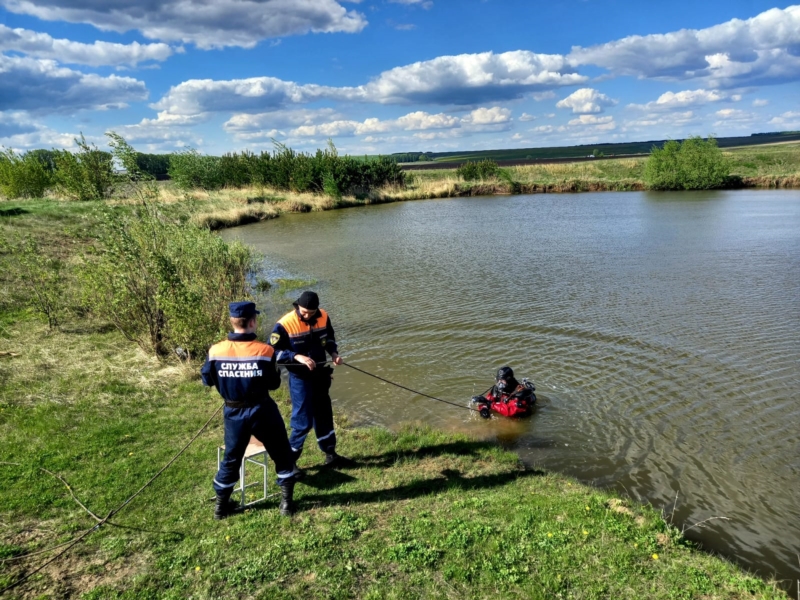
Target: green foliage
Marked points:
191	170
694	164
285	169
87	174
156	165
39	277
163	284
141	184
23	175
483	169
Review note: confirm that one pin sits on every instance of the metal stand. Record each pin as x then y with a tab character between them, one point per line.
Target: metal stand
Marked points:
255	454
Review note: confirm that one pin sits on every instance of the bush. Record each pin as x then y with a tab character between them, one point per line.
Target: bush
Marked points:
695	164
155	165
87	174
40	277
192	170
23	175
484	169
163	284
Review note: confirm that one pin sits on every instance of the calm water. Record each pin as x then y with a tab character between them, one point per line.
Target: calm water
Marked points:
662	330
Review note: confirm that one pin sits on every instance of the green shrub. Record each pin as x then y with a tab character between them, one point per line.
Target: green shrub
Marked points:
192	170
694	164
39	277
155	165
87	174
483	169
163	284
23	175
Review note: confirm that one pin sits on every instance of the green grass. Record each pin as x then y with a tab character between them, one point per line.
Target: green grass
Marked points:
422	514
624	148
758	166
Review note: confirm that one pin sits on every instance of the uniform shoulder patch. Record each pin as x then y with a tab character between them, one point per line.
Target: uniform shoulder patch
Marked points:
274	338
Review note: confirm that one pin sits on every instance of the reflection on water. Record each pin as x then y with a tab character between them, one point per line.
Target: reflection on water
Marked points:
663	330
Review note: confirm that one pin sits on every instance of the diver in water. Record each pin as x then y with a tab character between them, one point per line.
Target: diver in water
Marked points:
508	396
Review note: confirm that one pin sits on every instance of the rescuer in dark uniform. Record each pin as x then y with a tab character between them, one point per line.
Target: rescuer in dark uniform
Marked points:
301	338
243	371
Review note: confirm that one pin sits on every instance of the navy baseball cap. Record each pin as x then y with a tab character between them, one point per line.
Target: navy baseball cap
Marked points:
243	310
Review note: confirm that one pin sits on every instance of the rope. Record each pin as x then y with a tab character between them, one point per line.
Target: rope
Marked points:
402	387
103	521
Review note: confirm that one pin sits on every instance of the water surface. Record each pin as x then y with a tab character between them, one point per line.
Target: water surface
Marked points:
662	330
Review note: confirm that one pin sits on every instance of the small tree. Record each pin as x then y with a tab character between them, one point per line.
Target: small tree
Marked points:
23	175
87	174
695	164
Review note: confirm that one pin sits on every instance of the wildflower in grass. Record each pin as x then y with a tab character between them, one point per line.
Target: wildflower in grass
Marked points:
655	556
585	532
587	508
549	535
197	568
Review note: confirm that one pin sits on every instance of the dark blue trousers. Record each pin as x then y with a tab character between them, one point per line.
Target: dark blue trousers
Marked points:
311	407
266	424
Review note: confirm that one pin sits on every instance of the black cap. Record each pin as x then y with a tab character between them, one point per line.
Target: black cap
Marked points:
504	373
242	310
308	300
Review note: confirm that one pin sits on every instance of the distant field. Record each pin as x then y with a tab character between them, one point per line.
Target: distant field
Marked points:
771	165
559	154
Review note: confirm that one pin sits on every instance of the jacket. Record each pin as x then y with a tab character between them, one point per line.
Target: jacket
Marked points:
291	335
242	369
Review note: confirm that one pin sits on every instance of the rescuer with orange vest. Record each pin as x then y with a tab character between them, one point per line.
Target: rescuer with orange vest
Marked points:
243	371
301	339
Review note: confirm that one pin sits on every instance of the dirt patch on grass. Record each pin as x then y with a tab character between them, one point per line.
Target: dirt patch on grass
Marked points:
618	506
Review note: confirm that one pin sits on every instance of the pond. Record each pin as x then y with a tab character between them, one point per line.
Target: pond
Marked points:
662	331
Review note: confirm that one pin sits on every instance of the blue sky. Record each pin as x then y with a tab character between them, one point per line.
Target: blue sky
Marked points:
380	76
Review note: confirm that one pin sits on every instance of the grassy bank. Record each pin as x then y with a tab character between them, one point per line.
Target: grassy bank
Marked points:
769	166
775	166
422	513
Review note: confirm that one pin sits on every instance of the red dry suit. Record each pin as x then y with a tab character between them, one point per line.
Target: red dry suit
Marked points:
518	403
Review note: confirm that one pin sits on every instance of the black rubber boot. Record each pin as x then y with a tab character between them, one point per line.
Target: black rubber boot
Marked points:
287	507
224	507
298	473
332	459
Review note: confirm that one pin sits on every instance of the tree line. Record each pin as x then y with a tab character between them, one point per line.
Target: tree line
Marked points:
89	173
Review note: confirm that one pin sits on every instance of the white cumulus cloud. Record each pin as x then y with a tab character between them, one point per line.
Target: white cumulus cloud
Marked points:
97	54
763	49
585	101
677	100
42	86
449	80
206	24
